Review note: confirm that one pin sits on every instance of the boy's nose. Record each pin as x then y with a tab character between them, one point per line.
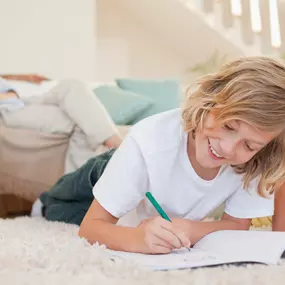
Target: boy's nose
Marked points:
228	147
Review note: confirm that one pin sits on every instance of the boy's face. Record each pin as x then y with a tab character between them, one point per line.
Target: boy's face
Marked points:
234	143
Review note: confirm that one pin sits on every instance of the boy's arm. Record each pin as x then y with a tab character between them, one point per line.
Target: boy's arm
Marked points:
240	207
278	221
100	226
119	189
197	229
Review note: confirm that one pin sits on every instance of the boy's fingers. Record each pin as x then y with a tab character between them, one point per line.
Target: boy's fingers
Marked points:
183	239
161	242
167	236
160	249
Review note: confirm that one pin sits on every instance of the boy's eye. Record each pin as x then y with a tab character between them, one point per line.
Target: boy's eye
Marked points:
248	147
228	127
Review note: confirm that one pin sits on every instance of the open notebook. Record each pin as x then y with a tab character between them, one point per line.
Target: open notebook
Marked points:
219	248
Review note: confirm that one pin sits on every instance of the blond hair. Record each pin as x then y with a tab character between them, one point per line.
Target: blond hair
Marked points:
251	89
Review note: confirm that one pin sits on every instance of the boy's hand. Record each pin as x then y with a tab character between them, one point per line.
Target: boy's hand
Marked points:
161	236
185	225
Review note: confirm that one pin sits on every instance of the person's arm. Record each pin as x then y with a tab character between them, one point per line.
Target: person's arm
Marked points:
198	229
241	207
100	226
118	191
155	236
33	78
278	220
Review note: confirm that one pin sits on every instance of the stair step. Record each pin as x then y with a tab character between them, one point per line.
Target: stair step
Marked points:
238	28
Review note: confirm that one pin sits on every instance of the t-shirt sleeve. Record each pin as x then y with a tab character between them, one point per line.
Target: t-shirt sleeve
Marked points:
124	182
246	204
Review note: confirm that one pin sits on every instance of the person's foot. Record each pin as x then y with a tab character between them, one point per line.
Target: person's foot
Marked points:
113	142
37	209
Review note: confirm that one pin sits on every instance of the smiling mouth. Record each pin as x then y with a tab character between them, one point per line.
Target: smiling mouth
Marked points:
214	152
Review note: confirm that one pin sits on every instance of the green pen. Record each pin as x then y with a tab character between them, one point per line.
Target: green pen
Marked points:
158	208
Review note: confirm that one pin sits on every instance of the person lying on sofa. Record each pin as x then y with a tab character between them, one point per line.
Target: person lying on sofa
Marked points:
70	107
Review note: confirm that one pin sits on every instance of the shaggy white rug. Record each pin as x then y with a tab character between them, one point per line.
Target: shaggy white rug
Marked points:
36	252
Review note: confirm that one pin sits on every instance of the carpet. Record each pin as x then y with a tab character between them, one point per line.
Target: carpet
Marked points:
37	252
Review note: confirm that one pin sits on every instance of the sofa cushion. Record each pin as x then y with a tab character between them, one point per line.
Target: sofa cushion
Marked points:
165	94
123	106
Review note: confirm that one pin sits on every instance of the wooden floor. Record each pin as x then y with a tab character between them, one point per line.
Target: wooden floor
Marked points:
11	206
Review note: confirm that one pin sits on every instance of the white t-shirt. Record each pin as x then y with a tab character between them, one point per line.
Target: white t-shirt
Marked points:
153	157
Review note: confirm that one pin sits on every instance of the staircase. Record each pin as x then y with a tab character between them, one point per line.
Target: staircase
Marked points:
188	38
256	27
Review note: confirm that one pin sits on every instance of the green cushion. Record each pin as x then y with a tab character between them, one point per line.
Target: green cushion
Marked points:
123	106
165	94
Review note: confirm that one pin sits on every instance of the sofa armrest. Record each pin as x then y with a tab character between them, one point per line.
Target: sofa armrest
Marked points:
30	161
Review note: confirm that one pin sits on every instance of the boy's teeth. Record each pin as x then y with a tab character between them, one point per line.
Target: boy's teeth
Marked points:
215	153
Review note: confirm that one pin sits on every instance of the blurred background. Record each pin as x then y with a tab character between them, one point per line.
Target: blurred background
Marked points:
99	40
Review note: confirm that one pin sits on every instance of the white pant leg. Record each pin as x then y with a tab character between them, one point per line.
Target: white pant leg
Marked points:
44	118
79	152
82	106
72	109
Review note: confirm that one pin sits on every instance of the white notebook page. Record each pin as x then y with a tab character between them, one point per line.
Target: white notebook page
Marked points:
216	248
175	260
261	246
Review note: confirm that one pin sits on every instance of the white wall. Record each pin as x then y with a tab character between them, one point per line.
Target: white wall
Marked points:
51	37
102	39
126	48
149	38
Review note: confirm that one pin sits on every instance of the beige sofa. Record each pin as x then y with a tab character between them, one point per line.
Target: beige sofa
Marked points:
31	162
